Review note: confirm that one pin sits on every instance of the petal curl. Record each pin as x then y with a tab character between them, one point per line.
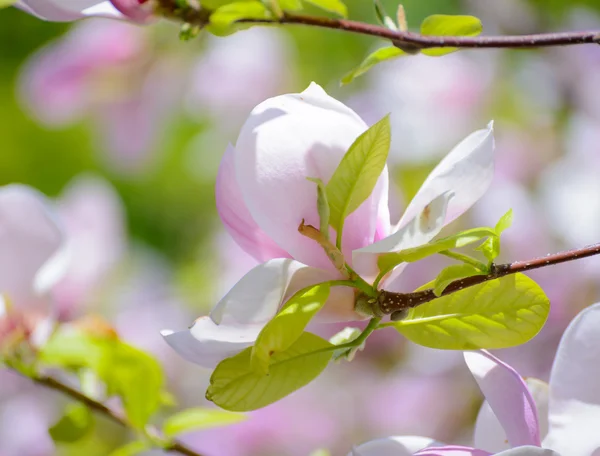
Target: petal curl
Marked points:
392	446
236	217
30	240
509	399
285	140
574	405
238	318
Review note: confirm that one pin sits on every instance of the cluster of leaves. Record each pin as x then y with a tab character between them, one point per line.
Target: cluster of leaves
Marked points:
495	314
107	367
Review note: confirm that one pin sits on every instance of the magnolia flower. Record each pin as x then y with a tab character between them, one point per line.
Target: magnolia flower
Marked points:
70	10
527	418
263	194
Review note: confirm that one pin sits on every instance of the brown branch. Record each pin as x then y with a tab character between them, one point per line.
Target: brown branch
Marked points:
390	302
416	40
52	383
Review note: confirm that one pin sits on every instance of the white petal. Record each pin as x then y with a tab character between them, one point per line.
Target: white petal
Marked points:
29	239
392	446
510	401
420	230
531	451
285	140
68	10
574	406
467	171
238	318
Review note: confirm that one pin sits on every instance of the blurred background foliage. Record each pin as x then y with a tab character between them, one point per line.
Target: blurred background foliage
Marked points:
176	262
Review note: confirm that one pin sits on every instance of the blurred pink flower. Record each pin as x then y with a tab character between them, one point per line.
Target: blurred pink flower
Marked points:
94	223
106	71
263	195
237	73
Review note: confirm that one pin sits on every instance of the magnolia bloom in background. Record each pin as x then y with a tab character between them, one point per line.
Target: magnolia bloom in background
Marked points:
70	10
263	195
527	418
31	261
109	72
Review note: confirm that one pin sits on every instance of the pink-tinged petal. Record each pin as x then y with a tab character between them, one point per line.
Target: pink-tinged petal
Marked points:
236	217
531	451
235	322
508	397
285	140
420	230
452	450
29	239
574	405
393	446
467	171
136	10
68	10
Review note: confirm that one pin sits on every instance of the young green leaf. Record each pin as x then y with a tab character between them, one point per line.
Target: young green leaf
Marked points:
76	423
445	25
132	448
236	386
452	273
118	365
290	5
389	261
345	336
222	21
383	18
197	419
333	6
322	206
378	56
288	325
358	172
496	314
491	247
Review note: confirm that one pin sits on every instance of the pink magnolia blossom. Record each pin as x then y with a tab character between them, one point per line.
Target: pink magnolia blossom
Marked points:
70	10
527	418
108	72
263	195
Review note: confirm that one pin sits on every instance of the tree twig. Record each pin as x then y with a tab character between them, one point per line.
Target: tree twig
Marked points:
418	41
390	302
52	383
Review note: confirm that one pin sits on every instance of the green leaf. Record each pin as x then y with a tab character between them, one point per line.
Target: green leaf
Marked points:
6	3
288	325
137	378
334	6
322	206
236	386
496	314
76	423
378	56
389	261
290	5
383	18
452	273
118	365
222	21
356	175
196	419
345	336
491	247
445	25
132	448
